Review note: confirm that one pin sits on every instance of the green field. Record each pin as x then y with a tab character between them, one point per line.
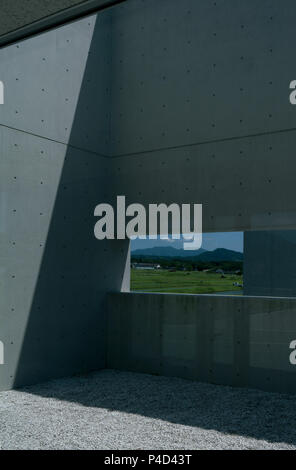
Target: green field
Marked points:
183	282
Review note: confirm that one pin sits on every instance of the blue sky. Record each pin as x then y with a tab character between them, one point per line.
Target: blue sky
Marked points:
211	241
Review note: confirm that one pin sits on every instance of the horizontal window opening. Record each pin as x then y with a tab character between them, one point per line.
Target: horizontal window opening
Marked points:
164	266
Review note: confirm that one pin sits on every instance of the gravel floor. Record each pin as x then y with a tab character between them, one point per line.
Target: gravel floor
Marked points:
122	410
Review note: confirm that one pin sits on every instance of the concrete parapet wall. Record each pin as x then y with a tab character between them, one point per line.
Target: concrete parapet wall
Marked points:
237	341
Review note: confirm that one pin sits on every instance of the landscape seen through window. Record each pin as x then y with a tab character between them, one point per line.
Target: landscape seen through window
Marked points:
164	266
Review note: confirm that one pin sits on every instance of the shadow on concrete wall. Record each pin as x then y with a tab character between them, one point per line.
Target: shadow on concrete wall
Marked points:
65	331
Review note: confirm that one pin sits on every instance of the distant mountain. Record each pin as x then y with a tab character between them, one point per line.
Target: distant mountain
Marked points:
220	254
167	252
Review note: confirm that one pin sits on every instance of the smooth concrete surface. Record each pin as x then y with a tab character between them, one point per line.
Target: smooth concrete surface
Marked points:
237	341
269	263
52	92
54	273
198	71
200	108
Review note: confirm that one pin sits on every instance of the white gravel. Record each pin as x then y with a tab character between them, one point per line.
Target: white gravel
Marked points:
122	410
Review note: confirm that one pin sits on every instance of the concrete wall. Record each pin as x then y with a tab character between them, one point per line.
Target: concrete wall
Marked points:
269	263
54	130
237	341
200	108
